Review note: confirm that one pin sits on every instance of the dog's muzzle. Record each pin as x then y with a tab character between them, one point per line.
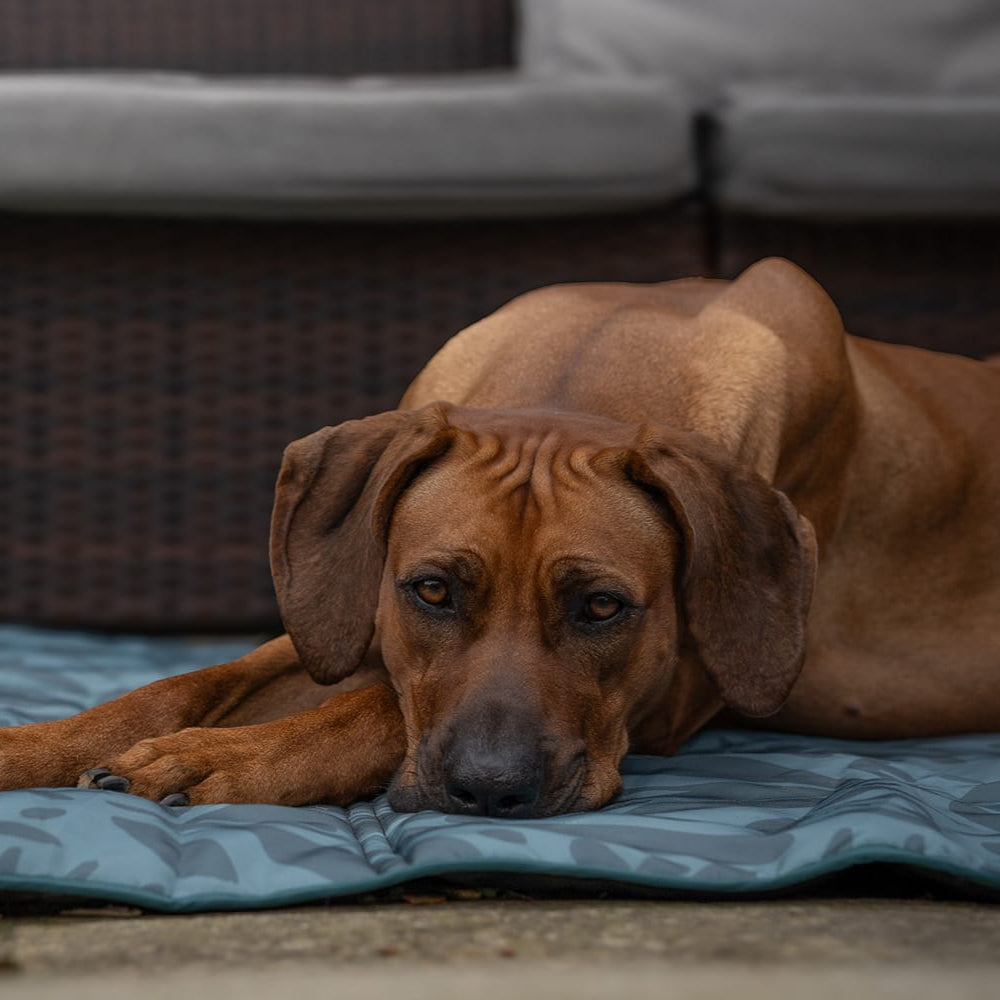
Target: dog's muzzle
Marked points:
482	777
492	762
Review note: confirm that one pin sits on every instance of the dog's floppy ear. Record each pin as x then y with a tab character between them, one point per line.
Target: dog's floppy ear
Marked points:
327	547
749	567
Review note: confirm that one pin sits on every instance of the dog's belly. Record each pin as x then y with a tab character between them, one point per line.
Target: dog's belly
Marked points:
908	684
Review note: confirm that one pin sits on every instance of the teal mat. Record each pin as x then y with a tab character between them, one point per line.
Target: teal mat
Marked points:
733	812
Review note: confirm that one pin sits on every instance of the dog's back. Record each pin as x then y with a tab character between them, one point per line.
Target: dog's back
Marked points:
893	453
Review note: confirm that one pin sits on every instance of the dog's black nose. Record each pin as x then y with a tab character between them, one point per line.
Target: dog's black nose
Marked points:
494	782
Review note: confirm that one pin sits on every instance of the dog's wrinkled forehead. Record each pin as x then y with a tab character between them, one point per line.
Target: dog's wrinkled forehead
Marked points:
543	480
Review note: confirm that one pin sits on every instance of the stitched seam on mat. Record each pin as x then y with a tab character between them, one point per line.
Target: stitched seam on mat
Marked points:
367	825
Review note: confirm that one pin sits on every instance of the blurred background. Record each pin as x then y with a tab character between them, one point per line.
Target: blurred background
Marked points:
226	223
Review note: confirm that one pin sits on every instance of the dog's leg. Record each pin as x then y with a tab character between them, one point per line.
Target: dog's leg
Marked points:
264	684
346	749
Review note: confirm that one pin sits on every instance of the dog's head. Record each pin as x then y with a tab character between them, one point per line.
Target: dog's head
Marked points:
549	589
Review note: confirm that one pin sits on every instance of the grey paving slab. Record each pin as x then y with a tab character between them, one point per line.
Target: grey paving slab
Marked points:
493	981
844	933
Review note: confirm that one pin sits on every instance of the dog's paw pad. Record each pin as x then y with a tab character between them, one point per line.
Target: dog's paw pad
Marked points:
175	799
112	783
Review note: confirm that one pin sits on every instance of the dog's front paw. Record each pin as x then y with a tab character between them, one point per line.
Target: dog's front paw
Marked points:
193	766
101	779
198	767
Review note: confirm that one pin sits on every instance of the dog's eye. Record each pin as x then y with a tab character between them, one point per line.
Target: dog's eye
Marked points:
432	592
601	608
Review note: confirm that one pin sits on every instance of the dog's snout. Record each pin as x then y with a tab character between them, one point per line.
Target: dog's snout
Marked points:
493	781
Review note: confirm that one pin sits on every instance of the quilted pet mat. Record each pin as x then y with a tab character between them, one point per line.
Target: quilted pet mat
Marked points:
733	812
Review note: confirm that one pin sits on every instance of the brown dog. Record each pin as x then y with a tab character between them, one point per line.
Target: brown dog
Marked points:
639	507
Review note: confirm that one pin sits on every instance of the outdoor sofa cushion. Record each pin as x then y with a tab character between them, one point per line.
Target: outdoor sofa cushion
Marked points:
820	109
868	155
733	812
705	46
491	145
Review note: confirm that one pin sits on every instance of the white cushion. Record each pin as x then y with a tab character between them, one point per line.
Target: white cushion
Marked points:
463	146
941	46
846	107
880	155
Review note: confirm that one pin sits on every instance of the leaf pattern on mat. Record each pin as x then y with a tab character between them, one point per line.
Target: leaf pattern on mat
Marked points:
733	811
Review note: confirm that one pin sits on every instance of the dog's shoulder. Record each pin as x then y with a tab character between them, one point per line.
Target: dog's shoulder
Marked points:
724	358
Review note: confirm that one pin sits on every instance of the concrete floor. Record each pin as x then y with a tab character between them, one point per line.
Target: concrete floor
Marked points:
438	946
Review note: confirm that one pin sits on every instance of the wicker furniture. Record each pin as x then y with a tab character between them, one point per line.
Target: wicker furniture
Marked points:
258	219
156	370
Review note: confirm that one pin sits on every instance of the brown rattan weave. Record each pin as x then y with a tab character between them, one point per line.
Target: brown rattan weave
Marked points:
153	372
288	37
